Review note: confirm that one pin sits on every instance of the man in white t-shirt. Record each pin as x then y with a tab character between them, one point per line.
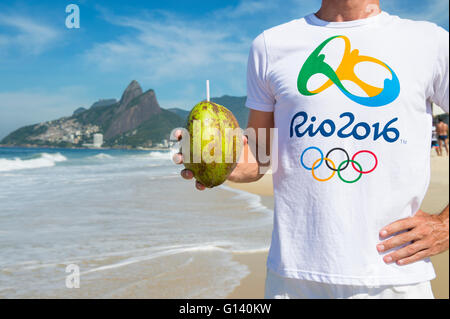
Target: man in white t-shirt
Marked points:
349	90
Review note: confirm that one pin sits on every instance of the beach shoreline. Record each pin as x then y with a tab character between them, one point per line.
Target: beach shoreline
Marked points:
32	146
252	286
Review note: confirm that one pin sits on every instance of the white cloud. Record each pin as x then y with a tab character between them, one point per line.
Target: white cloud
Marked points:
161	44
171	47
26	34
245	8
169	50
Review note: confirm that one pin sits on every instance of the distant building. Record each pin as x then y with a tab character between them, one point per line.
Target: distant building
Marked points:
98	140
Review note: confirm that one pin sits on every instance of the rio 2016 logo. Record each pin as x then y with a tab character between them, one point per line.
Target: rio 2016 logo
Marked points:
375	96
302	124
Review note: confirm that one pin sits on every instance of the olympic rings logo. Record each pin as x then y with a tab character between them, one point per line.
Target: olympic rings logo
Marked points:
341	167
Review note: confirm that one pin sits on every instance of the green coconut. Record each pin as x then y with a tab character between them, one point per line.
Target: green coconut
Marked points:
215	143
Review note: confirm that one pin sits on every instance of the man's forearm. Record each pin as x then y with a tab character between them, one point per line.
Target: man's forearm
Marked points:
248	169
245	173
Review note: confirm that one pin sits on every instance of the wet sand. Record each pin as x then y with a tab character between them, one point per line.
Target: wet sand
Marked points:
436	199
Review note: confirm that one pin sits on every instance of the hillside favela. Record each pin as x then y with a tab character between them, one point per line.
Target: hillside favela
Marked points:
136	121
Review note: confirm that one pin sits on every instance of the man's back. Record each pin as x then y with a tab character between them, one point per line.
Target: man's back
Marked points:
442	129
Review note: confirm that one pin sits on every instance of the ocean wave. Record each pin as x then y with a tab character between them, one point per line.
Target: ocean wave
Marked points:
160	155
102	156
253	201
251	251
161	252
39	161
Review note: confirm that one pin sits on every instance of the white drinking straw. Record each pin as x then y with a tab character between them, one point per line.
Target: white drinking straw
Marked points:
207	90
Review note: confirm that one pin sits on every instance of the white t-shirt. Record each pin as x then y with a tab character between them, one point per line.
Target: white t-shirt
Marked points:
352	105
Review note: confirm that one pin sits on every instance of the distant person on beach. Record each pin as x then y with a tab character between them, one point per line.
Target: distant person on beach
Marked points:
348	89
434	141
442	134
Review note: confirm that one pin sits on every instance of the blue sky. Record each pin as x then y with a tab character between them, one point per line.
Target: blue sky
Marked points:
47	70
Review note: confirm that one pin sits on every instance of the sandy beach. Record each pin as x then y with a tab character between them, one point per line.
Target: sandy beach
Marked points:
436	199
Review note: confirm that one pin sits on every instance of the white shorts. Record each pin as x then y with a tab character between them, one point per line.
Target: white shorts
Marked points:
278	287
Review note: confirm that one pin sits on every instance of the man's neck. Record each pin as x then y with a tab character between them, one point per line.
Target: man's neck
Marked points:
348	10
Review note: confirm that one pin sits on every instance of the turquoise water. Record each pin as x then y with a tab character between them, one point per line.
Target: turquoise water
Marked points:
126	218
27	153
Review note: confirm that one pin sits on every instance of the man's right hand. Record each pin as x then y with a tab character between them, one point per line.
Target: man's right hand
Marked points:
178	159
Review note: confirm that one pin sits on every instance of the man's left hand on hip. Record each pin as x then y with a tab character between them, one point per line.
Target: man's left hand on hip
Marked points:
425	235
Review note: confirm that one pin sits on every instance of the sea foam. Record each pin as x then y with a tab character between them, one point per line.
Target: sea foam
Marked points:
161	252
253	201
160	155
102	156
42	160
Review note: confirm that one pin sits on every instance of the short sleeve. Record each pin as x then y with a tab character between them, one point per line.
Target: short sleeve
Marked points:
259	94
440	94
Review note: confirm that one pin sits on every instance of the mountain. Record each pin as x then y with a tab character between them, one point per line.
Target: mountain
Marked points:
234	103
99	103
103	102
135	120
182	113
79	110
134	108
132	91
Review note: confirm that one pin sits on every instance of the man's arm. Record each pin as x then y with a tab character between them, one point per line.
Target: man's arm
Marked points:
426	234
248	168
